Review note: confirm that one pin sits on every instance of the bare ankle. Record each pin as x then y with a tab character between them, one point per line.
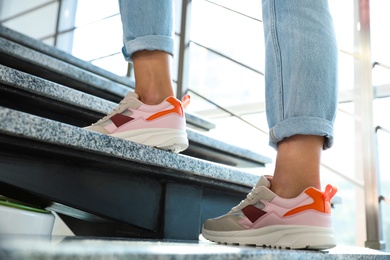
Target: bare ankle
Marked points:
153	79
153	98
297	165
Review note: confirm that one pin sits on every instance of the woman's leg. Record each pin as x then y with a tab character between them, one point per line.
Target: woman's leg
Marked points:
151	115
152	71
288	210
301	89
147	35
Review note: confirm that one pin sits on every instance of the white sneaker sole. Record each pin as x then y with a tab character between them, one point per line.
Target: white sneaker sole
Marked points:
167	139
278	236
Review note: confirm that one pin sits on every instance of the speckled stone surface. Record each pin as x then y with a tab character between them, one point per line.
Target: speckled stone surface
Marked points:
61	55
52	90
58	66
28	126
218	145
55	91
95	248
199	122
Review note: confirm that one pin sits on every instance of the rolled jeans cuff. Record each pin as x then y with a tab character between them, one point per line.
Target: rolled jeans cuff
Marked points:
305	125
150	43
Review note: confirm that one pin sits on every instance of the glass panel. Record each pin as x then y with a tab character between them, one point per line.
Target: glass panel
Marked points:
384	181
341	157
99	39
380	76
12	8
381	117
251	8
232	34
380	21
344	214
49	41
223	81
37	24
89	11
115	63
177	15
249	137
343	18
345	72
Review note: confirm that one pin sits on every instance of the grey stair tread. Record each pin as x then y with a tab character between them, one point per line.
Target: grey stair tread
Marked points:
198	122
22	58
89	248
200	145
61	55
28	126
138	190
28	50
210	148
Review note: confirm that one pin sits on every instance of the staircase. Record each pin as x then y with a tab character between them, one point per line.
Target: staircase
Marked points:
116	196
100	185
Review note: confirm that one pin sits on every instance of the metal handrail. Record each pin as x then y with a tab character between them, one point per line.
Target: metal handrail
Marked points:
228	58
73	28
376	63
385	130
357	183
377	128
228	111
384	199
234	11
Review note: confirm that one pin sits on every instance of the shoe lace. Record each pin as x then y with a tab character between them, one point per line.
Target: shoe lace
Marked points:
248	200
114	110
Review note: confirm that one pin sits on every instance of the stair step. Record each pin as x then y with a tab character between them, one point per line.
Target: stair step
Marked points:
91	248
137	190
15	123
43	48
44	66
100	185
74	107
34	57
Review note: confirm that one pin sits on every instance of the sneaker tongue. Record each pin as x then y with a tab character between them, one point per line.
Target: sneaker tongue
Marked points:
132	95
263	182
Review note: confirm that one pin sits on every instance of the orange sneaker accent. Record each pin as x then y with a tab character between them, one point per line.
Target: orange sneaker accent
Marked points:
185	100
177	108
321	201
330	191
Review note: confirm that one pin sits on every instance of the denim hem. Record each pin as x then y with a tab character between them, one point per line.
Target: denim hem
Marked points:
302	125
150	42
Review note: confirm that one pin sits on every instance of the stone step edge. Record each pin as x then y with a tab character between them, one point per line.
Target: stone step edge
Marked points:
28	126
39	46
77	98
76	72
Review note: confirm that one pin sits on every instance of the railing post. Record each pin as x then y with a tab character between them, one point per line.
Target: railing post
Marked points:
366	149
182	75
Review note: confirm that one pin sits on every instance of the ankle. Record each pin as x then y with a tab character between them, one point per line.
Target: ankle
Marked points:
153	79
153	97
292	188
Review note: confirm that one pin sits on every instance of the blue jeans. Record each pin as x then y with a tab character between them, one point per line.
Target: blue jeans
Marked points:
147	25
301	60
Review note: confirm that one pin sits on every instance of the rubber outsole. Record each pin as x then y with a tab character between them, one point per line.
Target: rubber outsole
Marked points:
282	237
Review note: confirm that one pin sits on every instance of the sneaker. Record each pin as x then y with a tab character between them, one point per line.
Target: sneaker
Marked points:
162	126
265	219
